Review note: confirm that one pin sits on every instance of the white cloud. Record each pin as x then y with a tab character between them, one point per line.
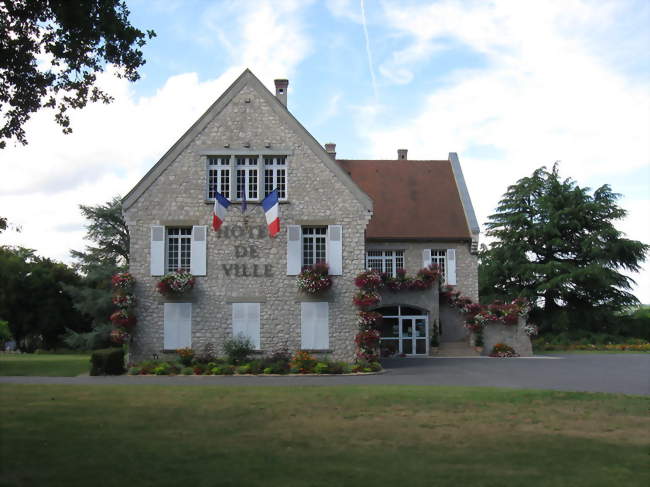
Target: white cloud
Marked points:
114	145
545	95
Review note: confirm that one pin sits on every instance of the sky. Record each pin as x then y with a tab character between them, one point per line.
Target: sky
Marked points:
508	85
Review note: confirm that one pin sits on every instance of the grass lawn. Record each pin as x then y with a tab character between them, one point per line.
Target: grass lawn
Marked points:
59	435
47	365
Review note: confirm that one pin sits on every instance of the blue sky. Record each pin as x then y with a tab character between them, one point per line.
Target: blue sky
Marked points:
508	85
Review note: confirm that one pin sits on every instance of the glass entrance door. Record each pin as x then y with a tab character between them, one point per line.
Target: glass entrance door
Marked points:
413	339
404	330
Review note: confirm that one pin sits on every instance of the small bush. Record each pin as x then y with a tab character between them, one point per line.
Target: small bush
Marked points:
256	367
321	368
217	370
503	351
268	370
185	355
134	371
187	371
228	369
302	362
107	361
374	366
244	369
238	349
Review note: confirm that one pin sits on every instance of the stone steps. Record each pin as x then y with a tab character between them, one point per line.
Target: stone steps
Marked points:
456	349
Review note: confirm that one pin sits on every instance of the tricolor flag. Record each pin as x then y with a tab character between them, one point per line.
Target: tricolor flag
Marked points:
271	206
221	204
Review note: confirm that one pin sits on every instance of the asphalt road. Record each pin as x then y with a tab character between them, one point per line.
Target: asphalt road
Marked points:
618	373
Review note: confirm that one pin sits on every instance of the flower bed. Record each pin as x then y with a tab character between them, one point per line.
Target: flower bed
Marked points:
278	363
501	350
314	279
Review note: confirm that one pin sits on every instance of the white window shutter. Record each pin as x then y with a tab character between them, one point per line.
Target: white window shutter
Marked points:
426	258
198	256
314	326
335	249
246	321
177	326
451	267
294	251
157	253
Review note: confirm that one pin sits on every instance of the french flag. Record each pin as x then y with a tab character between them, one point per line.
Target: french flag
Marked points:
221	205
271	206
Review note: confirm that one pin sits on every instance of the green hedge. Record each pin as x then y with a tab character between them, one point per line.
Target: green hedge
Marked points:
107	361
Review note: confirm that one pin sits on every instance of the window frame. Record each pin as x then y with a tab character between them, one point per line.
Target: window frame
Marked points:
219	168
441	261
275	168
315	238
384	258
184	237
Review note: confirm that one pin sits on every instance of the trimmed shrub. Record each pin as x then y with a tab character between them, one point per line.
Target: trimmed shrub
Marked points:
187	371
321	368
228	369
107	361
238	349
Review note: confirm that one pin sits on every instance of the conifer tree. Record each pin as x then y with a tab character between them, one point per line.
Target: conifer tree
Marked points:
556	244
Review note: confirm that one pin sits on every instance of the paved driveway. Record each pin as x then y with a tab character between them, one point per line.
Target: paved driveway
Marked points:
624	373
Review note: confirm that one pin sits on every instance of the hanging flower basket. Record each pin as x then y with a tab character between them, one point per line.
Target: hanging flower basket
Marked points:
314	279
366	299
370	280
175	283
119	337
368	319
123	281
124	301
123	319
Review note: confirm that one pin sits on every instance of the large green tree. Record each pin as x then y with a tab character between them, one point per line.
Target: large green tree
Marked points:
32	299
555	243
107	254
51	52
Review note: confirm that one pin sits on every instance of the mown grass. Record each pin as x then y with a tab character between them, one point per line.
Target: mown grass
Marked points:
320	436
46	365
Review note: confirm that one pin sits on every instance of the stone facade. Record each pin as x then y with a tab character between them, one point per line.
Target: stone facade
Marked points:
177	197
244	265
512	335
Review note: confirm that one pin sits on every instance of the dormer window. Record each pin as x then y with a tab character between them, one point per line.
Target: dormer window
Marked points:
246	176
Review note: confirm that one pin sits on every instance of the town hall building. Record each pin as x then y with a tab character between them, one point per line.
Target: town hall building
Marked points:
353	214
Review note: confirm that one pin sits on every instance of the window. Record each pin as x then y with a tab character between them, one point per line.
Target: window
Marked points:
218	176
177	319
314	245
179	248
388	261
308	245
247	177
314	326
275	175
246	321
439	257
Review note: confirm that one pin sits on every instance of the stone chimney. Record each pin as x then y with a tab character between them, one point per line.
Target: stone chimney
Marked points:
330	148
281	90
401	154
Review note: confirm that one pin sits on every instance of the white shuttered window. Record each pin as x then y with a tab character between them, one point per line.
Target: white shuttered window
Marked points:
314	326
246	321
177	326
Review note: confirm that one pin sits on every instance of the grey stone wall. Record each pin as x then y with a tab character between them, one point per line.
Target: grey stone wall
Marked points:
315	196
466	262
513	335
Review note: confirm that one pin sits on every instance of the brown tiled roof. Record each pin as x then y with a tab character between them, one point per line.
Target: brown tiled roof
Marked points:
411	199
